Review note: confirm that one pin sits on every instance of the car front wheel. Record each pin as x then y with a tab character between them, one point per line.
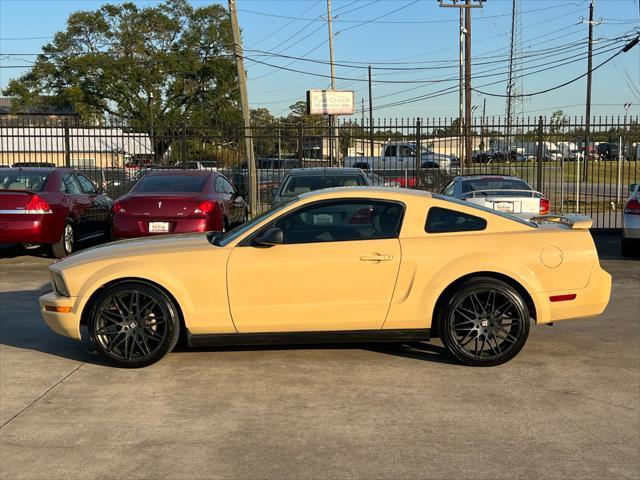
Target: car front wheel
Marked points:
133	324
484	323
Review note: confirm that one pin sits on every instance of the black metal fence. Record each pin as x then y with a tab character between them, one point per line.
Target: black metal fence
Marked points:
550	154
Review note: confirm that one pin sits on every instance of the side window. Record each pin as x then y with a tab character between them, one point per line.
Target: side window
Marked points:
70	185
86	185
406	151
390	151
218	185
341	221
226	186
448	190
441	220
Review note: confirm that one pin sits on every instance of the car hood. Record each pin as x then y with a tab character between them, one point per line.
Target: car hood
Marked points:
137	247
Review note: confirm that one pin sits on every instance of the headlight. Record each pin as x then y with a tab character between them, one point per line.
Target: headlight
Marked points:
57	282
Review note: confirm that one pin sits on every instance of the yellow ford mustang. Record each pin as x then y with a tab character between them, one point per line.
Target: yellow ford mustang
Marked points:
348	264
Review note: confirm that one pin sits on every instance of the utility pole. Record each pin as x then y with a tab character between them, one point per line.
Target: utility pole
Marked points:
587	126
461	95
371	154
334	140
484	113
246	113
468	147
465	59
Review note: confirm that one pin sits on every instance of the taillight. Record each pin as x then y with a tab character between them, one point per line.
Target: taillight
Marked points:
545	206
38	205
118	208
204	207
632	207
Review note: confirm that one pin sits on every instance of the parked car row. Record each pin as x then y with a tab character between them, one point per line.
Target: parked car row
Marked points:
59	207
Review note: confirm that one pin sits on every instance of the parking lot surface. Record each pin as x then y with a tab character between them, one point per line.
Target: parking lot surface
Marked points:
567	407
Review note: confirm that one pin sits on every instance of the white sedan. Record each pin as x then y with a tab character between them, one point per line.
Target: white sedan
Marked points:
505	193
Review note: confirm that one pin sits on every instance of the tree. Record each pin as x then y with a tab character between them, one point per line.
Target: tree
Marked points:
153	68
558	122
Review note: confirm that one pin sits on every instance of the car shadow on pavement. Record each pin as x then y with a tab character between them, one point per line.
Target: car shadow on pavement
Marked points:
21	326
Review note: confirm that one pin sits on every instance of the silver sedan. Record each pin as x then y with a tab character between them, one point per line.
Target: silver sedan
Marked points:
631	223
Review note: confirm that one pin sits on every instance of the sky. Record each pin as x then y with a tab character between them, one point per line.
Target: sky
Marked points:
412	46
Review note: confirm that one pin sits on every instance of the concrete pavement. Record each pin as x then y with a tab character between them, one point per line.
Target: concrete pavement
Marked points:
567	407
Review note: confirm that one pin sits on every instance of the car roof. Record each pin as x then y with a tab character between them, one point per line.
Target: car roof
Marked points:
36	169
325	170
486	176
178	171
369	192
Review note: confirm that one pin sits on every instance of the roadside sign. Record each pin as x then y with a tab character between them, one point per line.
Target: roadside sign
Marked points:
330	102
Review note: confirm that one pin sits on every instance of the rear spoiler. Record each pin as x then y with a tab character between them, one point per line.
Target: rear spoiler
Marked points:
531	193
581	222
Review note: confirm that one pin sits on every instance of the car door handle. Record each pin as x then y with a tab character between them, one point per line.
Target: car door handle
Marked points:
376	257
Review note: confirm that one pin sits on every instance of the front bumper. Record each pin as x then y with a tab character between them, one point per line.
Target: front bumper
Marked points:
66	324
589	301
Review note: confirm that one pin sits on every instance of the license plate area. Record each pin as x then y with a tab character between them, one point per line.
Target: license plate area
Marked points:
506	207
158	227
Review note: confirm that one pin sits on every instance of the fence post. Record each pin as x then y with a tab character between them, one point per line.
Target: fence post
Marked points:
67	145
300	152
540	153
417	167
183	149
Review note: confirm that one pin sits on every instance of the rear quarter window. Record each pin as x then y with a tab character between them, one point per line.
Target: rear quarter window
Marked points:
443	220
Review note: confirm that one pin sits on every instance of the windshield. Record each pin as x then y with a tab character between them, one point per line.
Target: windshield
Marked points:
298	184
494	183
231	235
19	180
171	183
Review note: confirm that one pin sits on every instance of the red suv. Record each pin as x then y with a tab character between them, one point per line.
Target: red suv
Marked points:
51	206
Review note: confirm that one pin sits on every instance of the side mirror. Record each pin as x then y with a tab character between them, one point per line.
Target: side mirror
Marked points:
271	237
632	187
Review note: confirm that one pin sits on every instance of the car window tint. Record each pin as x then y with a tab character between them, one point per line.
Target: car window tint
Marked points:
340	221
390	151
71	185
298	184
171	183
17	180
85	184
218	185
472	185
441	220
406	151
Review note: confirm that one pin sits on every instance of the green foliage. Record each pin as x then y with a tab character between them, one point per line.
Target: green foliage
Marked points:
153	67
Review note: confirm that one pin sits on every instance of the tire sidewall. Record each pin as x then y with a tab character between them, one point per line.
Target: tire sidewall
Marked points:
460	293
173	323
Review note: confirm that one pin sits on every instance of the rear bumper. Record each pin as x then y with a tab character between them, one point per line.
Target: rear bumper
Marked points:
589	301
631	226
133	227
30	228
65	324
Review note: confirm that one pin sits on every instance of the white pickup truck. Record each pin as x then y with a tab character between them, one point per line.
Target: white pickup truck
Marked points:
402	156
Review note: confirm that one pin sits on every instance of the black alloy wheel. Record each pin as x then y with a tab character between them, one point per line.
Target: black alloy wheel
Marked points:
133	324
485	323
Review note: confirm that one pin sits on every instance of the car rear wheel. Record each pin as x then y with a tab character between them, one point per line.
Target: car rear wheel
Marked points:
64	246
133	324
484	323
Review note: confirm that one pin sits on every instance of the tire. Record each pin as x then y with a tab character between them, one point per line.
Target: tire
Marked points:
64	246
484	323
629	248
133	324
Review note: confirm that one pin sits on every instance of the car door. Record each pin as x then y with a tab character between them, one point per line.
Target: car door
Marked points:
78	203
97	213
335	271
237	204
